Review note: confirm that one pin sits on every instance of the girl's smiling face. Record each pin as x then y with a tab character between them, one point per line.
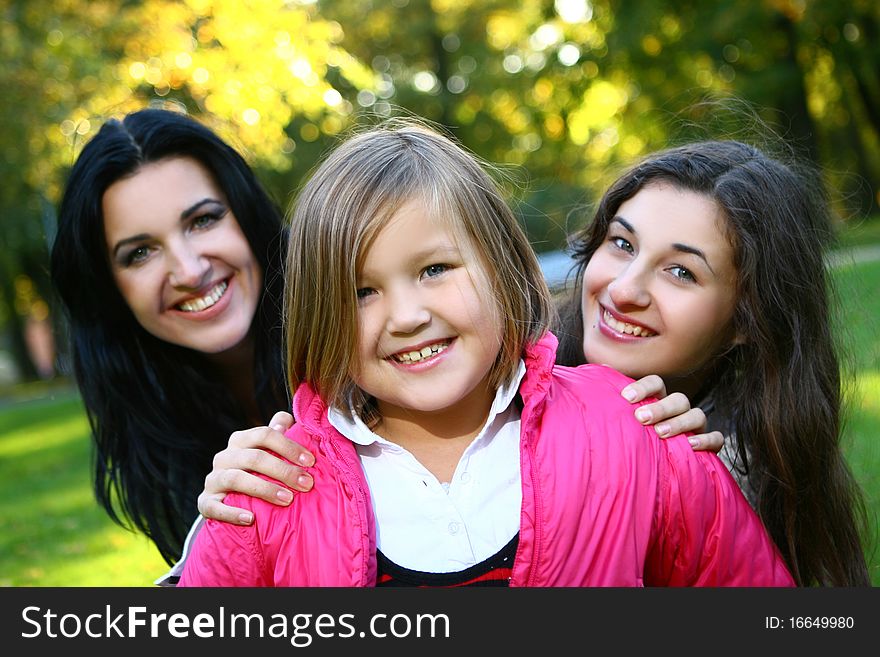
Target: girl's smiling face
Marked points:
427	338
659	294
179	257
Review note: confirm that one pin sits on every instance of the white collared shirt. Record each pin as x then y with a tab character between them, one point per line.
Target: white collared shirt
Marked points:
423	524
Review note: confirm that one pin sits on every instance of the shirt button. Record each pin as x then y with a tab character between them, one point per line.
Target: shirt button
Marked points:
454	527
465	477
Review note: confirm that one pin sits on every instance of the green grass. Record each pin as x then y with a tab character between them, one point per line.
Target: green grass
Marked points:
861	232
859	330
52	533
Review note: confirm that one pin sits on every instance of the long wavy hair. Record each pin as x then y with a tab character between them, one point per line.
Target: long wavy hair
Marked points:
157	411
779	391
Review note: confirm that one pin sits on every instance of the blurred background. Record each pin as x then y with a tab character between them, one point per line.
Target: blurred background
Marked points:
562	94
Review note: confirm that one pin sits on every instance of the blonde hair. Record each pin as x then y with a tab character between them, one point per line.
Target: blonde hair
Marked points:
351	195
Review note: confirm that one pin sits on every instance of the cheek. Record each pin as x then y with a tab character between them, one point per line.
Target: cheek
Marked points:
370	323
708	328
489	324
493	329
597	274
135	288
592	286
253	266
232	246
721	305
463	299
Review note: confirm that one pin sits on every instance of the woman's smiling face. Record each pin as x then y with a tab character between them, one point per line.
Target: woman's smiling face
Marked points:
179	257
659	294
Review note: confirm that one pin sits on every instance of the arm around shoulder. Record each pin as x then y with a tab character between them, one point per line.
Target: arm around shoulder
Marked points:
706	533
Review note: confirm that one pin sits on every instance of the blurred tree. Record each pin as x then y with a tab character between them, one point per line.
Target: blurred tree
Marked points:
574	89
517	82
842	42
560	93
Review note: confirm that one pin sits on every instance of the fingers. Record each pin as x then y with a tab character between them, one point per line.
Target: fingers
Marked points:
220	482
693	420
211	507
648	386
232	468
256	452
672	415
707	442
281	421
271	439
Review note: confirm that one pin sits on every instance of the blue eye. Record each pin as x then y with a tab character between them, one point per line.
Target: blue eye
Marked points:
621	244
432	271
207	219
682	273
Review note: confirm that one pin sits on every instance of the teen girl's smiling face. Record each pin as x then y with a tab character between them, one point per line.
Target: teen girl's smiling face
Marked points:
659	294
427	338
179	257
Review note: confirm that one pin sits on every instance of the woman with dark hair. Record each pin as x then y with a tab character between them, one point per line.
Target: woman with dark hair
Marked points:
769	379
167	260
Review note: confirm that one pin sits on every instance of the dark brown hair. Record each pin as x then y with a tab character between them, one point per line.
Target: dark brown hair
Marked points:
781	388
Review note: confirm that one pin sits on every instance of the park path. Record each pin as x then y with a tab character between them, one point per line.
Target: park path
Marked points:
854	256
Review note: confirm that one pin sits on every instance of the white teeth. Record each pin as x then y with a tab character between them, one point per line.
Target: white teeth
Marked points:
212	297
424	352
629	329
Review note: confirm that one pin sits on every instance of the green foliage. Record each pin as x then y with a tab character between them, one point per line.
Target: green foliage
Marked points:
570	90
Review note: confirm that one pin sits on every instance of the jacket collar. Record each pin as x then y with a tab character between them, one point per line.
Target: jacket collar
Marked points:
540	358
309	410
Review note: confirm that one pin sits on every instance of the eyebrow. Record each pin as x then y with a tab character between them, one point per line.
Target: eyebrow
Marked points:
183	215
437	251
678	246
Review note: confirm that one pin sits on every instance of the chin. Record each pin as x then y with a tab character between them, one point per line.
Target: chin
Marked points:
222	346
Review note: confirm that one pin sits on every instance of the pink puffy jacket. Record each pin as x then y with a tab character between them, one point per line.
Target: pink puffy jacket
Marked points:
605	502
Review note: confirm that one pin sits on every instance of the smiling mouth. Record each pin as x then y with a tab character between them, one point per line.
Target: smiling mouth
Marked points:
624	327
418	355
205	302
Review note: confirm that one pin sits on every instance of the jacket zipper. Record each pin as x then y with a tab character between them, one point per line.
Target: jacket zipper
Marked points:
347	468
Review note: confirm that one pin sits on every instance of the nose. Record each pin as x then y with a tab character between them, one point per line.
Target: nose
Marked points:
407	311
629	288
187	268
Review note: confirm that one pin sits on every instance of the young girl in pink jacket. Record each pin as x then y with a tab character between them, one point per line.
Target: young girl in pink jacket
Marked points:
450	450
